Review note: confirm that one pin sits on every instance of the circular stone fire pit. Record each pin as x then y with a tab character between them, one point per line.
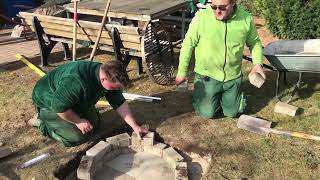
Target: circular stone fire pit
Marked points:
127	158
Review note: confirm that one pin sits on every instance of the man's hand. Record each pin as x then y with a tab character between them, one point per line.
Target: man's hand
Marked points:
180	79
140	131
84	126
258	69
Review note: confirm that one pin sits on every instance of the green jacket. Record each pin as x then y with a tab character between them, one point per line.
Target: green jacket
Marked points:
219	44
74	85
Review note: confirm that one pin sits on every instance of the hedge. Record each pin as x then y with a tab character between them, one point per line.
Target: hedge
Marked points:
251	6
292	19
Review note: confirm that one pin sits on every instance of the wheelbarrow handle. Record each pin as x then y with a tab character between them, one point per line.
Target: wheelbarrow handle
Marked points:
264	65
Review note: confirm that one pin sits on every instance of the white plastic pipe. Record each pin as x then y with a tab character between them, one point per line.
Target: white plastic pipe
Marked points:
35	160
128	95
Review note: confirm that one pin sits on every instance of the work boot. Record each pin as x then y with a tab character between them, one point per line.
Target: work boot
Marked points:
33	121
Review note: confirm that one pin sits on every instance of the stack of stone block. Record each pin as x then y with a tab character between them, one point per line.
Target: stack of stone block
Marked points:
120	144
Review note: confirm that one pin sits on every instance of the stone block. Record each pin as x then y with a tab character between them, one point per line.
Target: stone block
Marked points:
156	149
85	168
135	140
256	79
172	157
127	150
119	140
285	108
148	139
99	150
181	171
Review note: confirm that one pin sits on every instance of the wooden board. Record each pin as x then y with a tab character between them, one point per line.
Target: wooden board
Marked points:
87	31
142	10
84	24
108	48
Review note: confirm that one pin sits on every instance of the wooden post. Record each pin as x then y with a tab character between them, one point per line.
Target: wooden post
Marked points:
100	30
75	18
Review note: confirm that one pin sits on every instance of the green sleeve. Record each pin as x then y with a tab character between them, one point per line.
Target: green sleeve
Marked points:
189	43
68	93
115	98
254	43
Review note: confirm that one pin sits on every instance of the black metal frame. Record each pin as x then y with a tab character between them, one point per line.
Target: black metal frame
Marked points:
279	74
296	85
117	45
46	47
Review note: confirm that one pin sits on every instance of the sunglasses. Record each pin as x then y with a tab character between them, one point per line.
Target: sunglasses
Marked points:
221	7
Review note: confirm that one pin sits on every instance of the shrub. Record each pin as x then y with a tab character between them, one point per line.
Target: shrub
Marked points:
251	6
292	19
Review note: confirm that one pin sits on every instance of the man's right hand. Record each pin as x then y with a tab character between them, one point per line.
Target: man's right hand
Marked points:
180	79
84	126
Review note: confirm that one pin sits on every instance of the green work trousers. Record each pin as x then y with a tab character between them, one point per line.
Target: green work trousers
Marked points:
210	95
51	125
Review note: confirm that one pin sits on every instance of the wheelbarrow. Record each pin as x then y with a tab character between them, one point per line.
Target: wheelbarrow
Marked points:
301	56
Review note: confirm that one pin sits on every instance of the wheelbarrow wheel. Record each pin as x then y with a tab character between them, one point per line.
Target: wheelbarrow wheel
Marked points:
159	56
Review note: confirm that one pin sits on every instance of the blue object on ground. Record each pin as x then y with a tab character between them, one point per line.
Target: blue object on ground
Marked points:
12	7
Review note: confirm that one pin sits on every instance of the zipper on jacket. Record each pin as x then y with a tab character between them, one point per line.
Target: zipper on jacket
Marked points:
225	51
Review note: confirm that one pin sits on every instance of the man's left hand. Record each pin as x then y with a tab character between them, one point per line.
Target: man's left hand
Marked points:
258	69
140	131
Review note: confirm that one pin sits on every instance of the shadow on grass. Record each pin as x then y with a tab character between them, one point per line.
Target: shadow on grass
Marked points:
10	164
257	99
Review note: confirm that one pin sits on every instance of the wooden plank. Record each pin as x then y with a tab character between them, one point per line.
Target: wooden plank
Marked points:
91	38
120	15
84	24
143	10
87	31
106	41
108	48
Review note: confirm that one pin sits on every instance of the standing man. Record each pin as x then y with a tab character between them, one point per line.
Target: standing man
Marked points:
218	35
65	99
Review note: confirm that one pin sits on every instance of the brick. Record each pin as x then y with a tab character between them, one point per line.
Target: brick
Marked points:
99	150
181	171
137	148
148	139
256	79
119	140
135	140
285	108
85	168
156	149
172	157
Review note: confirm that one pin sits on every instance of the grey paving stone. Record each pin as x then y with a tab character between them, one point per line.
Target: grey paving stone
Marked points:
172	157
119	140
85	168
99	150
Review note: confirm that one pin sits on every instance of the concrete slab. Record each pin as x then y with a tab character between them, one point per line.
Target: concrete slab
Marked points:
108	173
142	165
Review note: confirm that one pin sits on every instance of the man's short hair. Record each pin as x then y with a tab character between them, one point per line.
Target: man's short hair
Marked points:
116	72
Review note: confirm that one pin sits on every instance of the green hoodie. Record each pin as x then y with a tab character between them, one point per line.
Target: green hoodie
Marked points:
219	44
